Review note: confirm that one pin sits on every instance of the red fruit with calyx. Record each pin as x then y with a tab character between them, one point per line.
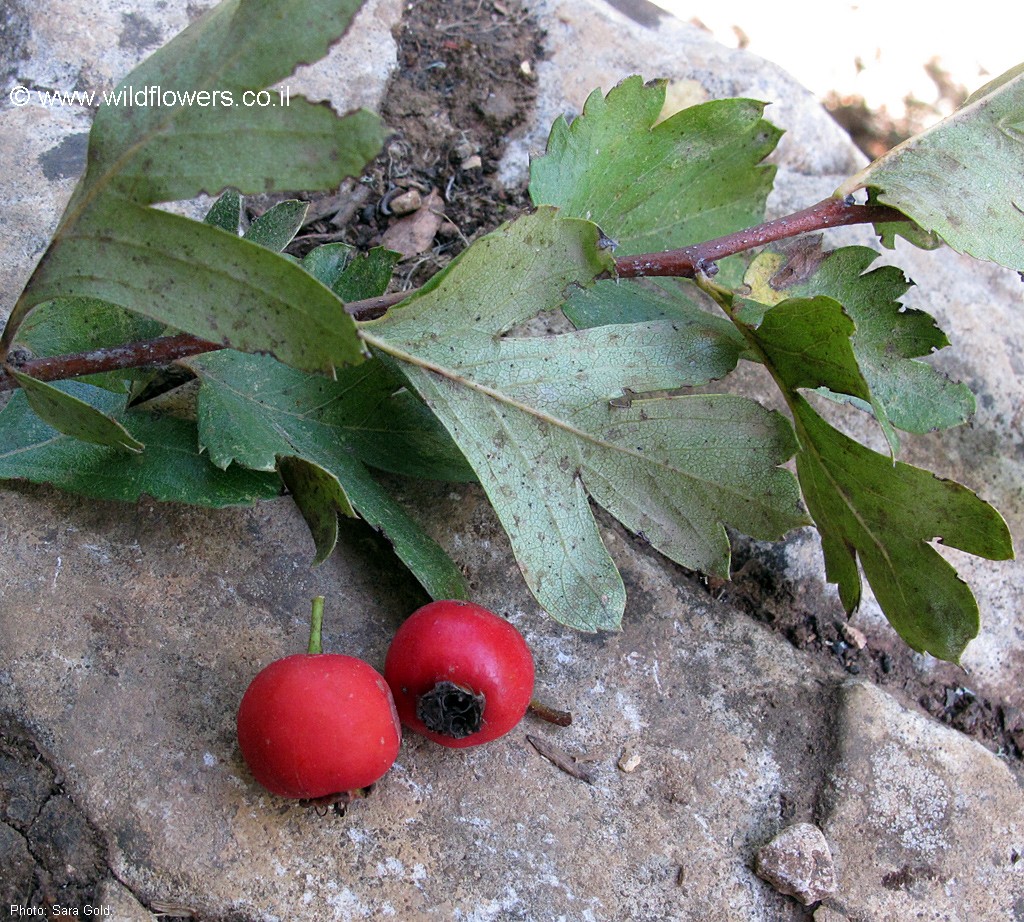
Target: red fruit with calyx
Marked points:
318	724
460	674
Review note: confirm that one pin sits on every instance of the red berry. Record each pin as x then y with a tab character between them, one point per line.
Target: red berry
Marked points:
312	725
460	675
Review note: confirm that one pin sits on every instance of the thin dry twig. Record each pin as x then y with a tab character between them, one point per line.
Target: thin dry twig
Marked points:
560	759
552	715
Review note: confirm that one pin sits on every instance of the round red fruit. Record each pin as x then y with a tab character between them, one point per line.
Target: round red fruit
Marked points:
460	675
314	725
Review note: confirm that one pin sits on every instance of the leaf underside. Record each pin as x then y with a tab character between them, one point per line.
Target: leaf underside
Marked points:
542	422
961	178
72	416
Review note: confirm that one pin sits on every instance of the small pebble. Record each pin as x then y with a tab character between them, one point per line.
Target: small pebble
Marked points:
798	862
406	203
630	761
854	637
465	148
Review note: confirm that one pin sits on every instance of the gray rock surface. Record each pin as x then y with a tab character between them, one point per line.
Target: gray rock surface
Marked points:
130	632
904	804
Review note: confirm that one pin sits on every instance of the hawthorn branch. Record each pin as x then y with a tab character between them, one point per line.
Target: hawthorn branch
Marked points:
153	352
681	263
685	262
149	352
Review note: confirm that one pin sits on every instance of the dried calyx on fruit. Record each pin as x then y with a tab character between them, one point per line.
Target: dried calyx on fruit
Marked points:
460	674
452	710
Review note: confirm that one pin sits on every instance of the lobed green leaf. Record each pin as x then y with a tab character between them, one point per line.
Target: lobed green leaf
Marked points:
653	185
321	434
806	344
549	423
253	409
888	338
884	515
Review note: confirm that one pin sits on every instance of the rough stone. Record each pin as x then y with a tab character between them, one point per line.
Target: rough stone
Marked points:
798	862
25	785
130	632
139	695
60	837
414	233
18	866
406	202
826	914
924	823
119	904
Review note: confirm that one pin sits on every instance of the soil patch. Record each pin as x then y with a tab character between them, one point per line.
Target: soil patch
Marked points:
49	851
465	82
818	625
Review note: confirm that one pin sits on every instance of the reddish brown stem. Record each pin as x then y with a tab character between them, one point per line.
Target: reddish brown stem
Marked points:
155	352
372	308
130	355
683	263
